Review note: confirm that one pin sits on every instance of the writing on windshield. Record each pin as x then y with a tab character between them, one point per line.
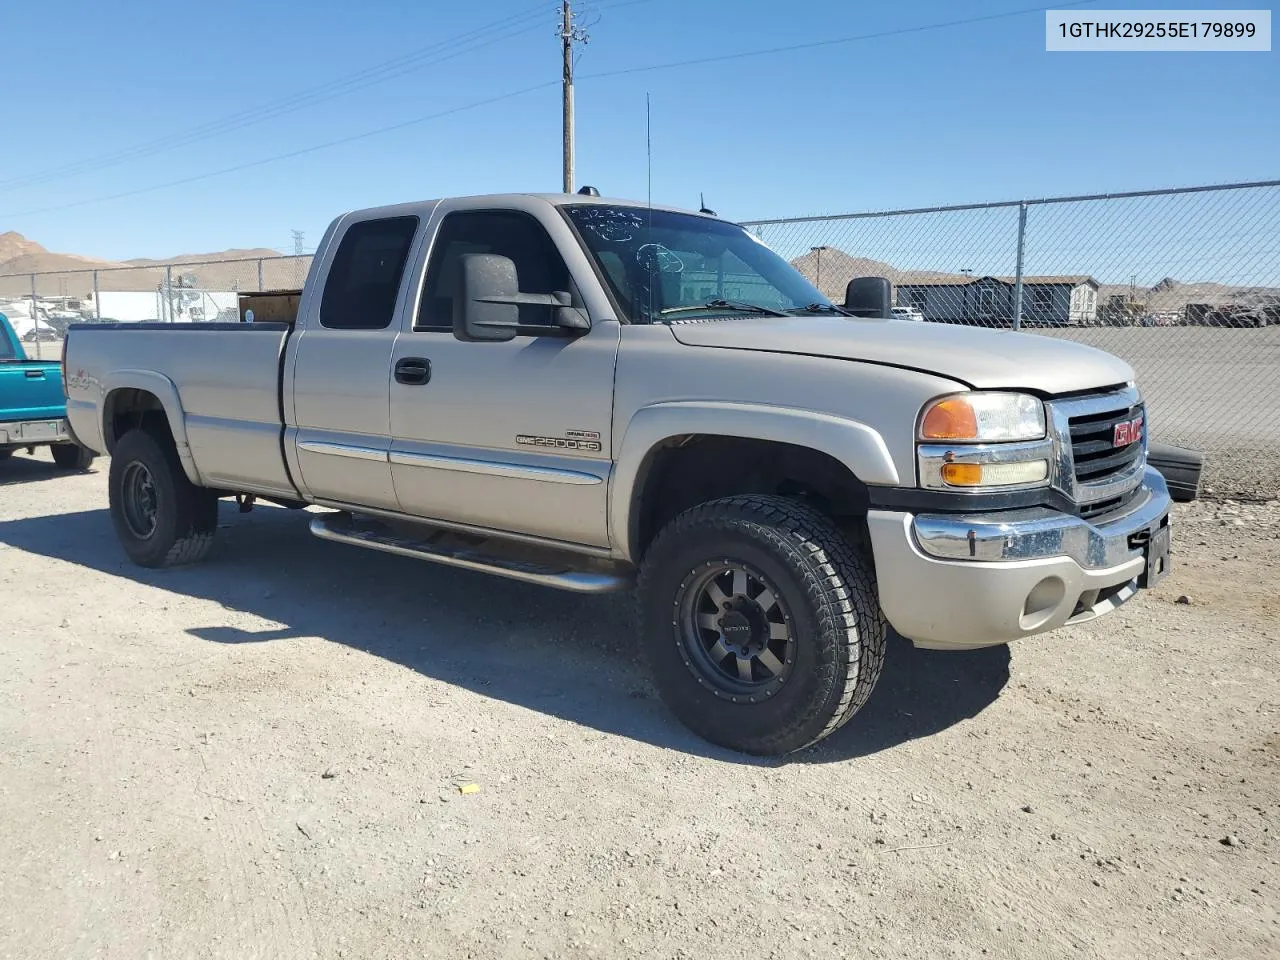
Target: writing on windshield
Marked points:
663	266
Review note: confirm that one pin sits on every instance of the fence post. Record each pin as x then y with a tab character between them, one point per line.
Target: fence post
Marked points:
97	298
260	288
168	291
1017	279
35	318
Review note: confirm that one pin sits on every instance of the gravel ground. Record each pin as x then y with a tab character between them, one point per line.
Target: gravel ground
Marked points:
1213	389
273	755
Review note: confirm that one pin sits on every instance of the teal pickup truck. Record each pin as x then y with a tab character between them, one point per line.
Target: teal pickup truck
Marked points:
33	407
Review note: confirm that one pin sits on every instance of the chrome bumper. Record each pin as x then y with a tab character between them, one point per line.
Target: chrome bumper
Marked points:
21	433
1037	532
960	582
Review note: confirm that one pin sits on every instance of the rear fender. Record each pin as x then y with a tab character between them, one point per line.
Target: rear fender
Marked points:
164	390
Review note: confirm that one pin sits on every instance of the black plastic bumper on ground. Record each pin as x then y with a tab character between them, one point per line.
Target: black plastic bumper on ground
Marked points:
1180	467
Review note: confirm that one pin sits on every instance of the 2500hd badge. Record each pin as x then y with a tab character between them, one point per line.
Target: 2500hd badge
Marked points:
573	440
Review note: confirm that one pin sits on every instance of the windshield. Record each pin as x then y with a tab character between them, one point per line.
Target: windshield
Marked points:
664	266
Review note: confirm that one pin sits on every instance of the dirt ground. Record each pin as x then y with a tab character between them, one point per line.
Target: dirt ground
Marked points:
1213	389
265	757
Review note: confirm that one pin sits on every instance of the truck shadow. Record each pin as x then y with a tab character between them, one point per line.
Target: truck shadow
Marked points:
566	655
21	468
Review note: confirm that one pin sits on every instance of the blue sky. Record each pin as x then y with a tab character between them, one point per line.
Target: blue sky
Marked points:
965	113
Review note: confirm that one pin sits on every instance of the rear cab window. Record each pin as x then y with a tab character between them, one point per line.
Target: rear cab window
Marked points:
364	278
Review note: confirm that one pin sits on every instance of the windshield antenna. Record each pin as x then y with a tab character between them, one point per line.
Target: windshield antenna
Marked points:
702	202
648	150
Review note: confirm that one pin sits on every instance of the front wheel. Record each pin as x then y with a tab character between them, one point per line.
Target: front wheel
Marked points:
161	518
72	456
762	623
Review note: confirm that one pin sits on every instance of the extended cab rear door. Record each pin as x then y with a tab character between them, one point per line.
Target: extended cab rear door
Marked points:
513	435
341	363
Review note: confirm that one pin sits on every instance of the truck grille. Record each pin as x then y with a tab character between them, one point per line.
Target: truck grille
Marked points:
1098	461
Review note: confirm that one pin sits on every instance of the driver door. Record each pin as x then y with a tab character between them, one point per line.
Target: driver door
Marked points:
512	435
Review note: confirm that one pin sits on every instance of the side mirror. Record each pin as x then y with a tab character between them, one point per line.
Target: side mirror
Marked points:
484	307
869	297
488	301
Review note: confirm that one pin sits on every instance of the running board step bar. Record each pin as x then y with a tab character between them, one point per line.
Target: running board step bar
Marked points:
502	558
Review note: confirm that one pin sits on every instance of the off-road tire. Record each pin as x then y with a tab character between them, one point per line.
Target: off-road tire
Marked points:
72	456
827	583
186	516
6	453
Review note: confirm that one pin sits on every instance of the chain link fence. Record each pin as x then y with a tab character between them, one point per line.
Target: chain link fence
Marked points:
41	305
1182	284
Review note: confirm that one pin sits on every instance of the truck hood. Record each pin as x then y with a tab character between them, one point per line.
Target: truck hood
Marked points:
983	359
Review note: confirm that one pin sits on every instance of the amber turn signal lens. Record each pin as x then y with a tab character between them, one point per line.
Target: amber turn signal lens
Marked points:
994	474
962	474
952	419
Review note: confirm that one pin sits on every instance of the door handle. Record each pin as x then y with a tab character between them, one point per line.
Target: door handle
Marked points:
35	374
413	371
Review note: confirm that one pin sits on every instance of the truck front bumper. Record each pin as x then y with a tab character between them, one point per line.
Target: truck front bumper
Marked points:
32	433
959	582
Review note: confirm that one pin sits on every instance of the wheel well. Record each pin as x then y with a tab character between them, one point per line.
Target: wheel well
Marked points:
689	470
131	409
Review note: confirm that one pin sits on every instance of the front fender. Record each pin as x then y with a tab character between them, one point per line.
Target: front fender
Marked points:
164	390
859	447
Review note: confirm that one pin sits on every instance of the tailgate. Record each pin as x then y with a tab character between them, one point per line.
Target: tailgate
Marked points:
31	390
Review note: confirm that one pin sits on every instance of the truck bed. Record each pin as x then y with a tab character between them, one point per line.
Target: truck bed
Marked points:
225	375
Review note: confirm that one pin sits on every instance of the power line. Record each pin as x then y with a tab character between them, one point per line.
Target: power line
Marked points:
472	40
815	44
540	86
292	153
527	21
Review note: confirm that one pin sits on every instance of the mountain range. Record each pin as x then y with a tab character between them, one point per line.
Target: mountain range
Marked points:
23	257
237	269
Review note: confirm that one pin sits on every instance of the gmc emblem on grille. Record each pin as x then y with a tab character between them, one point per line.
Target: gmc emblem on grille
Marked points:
1127	432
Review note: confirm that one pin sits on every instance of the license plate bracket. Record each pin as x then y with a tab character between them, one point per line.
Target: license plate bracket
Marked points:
1158	548
40	430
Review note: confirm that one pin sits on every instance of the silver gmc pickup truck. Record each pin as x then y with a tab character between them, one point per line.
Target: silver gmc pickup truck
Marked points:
589	393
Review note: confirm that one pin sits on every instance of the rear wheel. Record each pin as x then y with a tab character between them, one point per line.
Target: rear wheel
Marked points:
161	518
762	623
72	456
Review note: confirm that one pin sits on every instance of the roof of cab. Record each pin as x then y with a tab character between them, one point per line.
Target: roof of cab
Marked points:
500	199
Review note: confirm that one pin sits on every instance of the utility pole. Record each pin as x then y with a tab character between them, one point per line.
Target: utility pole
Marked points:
569	35
298	238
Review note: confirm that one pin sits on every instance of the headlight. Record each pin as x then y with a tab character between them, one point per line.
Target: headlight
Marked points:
983	417
984	440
